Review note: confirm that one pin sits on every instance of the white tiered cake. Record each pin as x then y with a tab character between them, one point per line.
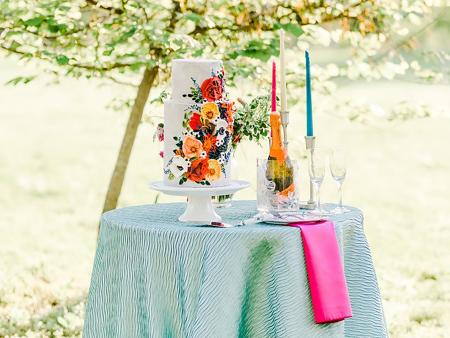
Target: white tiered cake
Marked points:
198	126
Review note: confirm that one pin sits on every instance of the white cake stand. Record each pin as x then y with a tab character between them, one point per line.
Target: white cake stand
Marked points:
199	207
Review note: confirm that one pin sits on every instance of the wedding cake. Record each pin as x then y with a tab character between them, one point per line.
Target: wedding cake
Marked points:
198	126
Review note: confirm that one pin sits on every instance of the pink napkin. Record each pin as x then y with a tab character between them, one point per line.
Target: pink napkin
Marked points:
329	293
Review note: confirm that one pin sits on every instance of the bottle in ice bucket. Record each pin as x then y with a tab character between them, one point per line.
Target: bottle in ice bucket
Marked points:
279	167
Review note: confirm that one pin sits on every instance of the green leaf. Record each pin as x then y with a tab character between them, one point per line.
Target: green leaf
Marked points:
136	66
128	34
34	22
198	52
292	28
20	79
193	17
62	59
233	55
257	49
55	27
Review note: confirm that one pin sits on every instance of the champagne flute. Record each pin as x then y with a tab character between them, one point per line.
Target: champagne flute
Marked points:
316	167
338	170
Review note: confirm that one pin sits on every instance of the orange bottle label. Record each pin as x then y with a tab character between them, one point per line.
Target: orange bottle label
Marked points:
276	148
286	191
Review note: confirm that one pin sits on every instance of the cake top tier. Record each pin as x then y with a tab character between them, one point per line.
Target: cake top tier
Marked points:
197	80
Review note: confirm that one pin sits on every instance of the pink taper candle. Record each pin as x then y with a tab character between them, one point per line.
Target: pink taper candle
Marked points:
274	86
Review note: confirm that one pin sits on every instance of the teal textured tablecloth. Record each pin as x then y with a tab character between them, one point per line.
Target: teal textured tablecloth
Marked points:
156	277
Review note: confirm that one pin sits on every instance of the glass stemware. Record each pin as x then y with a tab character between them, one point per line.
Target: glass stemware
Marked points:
316	166
338	170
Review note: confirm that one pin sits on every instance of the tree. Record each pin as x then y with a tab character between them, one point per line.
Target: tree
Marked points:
114	38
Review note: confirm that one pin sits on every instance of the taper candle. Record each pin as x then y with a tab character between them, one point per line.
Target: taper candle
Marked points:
274	86
282	73
309	119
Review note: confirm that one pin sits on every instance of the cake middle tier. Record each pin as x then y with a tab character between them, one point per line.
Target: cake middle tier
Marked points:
198	143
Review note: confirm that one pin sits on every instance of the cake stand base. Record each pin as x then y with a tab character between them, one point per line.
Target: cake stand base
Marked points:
199	208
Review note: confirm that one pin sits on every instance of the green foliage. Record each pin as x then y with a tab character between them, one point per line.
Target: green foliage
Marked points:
21	79
62	60
251	121
125	36
113	39
404	111
258	49
294	29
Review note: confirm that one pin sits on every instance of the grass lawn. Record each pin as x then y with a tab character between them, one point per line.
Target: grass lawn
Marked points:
58	146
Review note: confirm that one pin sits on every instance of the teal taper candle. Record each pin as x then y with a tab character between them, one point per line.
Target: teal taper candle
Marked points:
309	119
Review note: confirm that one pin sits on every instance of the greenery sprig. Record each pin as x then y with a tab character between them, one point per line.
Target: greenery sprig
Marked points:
251	121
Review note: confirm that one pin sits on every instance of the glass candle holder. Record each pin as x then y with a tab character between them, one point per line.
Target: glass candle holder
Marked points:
277	187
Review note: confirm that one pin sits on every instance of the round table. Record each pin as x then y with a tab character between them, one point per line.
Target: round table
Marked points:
154	276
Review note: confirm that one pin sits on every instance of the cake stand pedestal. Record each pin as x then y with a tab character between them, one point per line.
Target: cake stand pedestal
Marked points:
199	208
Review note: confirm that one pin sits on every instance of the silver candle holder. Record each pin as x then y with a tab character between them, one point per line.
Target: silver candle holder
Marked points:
284	115
310	142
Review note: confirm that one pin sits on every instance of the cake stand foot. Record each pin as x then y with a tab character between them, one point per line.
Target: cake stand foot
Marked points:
199	209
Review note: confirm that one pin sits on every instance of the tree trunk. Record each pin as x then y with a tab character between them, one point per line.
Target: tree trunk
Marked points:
116	182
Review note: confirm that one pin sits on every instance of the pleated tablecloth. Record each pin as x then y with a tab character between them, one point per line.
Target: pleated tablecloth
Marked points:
156	277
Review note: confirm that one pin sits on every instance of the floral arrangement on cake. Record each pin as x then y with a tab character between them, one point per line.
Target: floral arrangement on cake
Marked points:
204	150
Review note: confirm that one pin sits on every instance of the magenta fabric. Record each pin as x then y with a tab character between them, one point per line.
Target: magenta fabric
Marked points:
328	287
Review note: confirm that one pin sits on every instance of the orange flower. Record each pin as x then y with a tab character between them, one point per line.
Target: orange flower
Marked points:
198	170
230	112
192	147
214	170
209	143
230	108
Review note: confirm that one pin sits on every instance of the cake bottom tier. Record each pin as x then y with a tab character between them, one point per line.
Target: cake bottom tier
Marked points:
197	144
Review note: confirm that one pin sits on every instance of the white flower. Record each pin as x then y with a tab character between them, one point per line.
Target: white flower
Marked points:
221	124
220	138
178	165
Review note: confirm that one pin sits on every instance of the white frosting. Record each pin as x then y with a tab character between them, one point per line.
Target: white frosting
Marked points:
184	70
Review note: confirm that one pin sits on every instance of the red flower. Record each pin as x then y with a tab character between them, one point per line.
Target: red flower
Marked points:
198	170
195	122
212	88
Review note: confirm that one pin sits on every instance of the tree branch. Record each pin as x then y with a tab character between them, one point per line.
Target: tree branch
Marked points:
124	83
400	43
110	9
19	29
75	65
173	18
